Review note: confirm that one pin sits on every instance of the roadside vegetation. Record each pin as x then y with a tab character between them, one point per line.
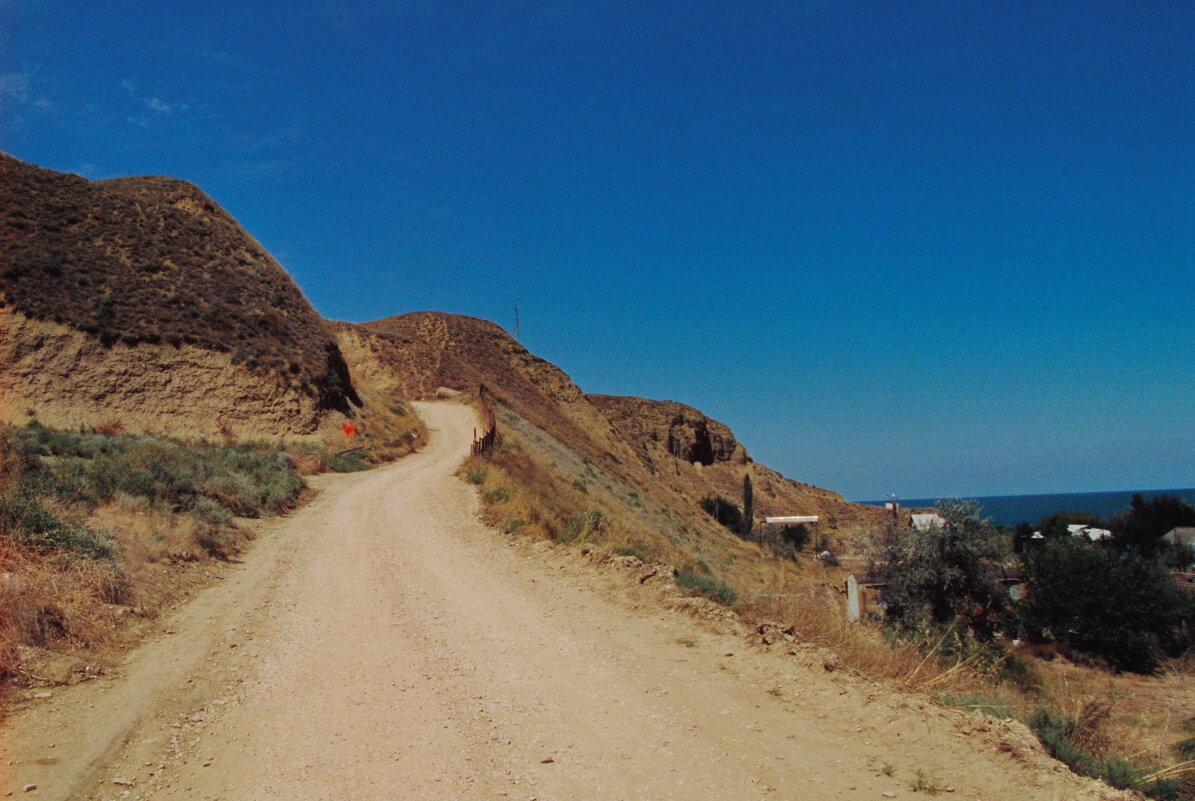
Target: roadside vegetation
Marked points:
95	526
1104	607
101	529
1059	659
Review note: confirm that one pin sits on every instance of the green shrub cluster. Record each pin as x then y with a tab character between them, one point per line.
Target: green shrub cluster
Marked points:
581	525
708	586
210	483
345	463
725	511
24	514
1058	734
1112	605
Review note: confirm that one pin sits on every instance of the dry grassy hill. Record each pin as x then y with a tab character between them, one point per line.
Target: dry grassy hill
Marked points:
424	351
628	472
141	300
648	445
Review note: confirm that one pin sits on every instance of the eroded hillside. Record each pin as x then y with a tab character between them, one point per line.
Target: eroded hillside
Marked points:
141	300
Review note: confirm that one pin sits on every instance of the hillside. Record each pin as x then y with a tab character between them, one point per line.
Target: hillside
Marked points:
699	455
427	350
649	446
141	300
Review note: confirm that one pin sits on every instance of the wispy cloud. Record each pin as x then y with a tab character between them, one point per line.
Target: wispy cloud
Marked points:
19	89
15	86
151	102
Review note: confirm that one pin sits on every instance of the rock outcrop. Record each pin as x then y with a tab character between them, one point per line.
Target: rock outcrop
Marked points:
674	428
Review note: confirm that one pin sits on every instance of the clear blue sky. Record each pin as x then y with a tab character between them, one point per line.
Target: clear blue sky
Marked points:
931	248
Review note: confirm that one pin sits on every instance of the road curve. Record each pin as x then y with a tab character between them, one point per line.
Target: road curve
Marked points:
382	644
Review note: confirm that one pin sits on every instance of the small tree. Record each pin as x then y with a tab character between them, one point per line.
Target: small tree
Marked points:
1140	528
945	573
797	535
1115	606
748	507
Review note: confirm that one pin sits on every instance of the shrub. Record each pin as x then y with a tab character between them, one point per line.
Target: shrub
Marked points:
628	550
476	477
724	510
512	526
938	575
1058	733
346	463
31	523
796	536
993	706
580	526
1117	607
496	495
708	586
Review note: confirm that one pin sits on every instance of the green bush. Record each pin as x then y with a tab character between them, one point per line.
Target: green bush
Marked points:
708	586
512	526
1115	606
629	550
346	463
476	477
496	495
996	707
580	525
1057	734
211	483
725	511
25	516
942	575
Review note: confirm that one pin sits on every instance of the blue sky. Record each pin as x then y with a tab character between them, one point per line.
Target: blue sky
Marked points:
933	248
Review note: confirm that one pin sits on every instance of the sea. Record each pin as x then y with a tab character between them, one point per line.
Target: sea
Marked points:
1008	510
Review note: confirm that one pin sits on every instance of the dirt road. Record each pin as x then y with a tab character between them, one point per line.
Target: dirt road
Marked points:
383	644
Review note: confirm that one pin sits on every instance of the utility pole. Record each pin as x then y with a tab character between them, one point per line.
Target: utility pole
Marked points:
517	322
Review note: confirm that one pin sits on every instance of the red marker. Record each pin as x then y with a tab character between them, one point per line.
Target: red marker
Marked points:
349	428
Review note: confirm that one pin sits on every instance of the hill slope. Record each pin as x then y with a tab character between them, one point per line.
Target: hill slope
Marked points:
664	451
140	299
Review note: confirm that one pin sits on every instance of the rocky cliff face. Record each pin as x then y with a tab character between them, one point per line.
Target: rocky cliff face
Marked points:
673	428
141	299
697	456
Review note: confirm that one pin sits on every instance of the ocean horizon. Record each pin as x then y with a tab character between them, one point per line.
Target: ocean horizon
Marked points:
1008	510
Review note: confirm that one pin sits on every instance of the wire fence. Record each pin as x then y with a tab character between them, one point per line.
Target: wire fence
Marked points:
485	442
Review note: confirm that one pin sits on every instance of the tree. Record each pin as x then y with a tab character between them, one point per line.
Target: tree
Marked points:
1022	535
796	535
1116	606
1140	528
1055	525
748	507
945	573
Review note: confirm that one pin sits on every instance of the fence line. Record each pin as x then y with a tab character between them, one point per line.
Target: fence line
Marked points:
485	442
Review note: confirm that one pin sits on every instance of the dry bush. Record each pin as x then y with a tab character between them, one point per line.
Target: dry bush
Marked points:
110	427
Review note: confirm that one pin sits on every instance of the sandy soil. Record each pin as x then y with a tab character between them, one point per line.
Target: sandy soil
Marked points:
383	644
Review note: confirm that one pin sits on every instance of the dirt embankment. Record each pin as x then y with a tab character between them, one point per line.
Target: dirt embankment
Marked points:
382	643
65	379
138	298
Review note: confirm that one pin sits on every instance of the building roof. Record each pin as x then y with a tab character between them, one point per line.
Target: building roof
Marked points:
1182	534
